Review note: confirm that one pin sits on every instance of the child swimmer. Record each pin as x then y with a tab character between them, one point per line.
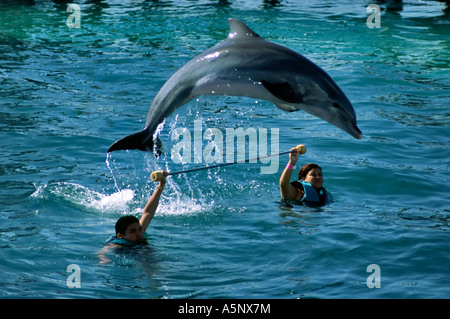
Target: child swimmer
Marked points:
308	190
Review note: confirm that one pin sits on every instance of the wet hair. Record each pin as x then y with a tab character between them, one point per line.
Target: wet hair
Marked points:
305	170
123	223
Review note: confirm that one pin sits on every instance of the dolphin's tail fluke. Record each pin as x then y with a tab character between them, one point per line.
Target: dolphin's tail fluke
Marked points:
142	141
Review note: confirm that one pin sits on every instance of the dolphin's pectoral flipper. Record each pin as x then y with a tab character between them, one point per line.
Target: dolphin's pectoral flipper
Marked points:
283	91
138	141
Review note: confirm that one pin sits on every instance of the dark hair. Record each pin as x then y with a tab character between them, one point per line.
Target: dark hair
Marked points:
305	170
123	223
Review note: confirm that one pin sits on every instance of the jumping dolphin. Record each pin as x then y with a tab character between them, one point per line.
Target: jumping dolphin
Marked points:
244	64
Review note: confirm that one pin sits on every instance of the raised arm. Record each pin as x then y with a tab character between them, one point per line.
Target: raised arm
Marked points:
152	204
286	189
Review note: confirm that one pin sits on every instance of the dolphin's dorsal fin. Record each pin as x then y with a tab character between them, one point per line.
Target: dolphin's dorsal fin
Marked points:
240	29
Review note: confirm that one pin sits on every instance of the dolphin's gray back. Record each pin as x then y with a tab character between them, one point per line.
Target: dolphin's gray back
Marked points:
232	67
244	64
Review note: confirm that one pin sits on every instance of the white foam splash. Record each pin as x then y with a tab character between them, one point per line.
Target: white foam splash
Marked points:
182	205
82	196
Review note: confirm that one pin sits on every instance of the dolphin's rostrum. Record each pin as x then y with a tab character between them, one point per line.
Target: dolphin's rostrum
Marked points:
244	64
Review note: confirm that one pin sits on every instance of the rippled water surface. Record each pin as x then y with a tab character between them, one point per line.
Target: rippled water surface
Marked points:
67	93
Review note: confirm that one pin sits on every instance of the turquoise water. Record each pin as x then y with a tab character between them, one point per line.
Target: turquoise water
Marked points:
67	93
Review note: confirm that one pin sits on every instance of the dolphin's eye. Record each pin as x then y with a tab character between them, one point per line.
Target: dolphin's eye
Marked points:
336	105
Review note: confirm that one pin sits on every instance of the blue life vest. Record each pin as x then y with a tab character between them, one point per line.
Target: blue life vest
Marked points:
124	242
311	197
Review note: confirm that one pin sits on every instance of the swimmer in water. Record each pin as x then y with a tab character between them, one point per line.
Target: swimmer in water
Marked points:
308	189
130	230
